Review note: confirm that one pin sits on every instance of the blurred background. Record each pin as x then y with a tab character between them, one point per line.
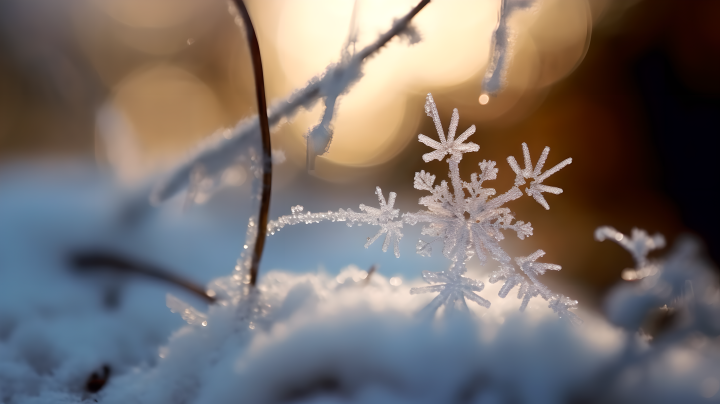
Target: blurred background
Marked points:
629	89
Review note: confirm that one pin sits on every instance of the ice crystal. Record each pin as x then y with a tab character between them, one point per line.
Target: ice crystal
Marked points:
467	218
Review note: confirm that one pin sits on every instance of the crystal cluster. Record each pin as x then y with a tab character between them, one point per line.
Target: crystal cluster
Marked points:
466	218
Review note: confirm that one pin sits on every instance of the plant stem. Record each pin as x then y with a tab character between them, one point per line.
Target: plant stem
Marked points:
265	133
97	259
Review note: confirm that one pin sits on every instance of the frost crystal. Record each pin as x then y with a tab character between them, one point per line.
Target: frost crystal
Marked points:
639	244
467	218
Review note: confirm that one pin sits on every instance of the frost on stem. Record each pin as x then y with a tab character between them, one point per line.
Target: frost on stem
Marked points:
467	218
382	217
188	313
222	149
501	47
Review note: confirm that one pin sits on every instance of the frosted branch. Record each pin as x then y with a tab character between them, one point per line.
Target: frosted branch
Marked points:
501	47
222	148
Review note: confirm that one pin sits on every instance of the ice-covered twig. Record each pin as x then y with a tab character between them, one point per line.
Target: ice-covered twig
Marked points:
222	148
383	217
501	47
682	281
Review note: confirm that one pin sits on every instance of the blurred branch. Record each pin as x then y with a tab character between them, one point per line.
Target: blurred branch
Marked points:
98	260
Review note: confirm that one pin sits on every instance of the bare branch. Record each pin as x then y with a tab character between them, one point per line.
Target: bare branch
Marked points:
265	132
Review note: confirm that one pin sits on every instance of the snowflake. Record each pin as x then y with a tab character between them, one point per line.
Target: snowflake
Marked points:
467	218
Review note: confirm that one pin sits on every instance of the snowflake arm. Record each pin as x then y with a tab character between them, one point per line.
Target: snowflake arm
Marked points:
454	147
528	173
424	181
532	268
452	288
530	286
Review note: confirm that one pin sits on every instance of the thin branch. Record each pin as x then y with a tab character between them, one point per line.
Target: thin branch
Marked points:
221	149
265	132
371	271
96	260
399	26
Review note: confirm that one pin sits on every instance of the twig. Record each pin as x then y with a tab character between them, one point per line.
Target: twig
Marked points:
371	271
265	132
222	148
95	260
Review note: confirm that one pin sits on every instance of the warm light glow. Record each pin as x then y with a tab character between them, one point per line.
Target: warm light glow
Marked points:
311	35
484	99
152	13
169	110
709	387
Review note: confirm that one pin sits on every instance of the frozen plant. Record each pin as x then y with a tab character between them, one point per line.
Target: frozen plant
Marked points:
639	244
466	218
681	283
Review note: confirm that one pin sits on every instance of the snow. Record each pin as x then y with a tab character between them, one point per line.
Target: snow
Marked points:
318	337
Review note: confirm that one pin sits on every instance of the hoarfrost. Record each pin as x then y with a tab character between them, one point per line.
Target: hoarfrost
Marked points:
501	47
